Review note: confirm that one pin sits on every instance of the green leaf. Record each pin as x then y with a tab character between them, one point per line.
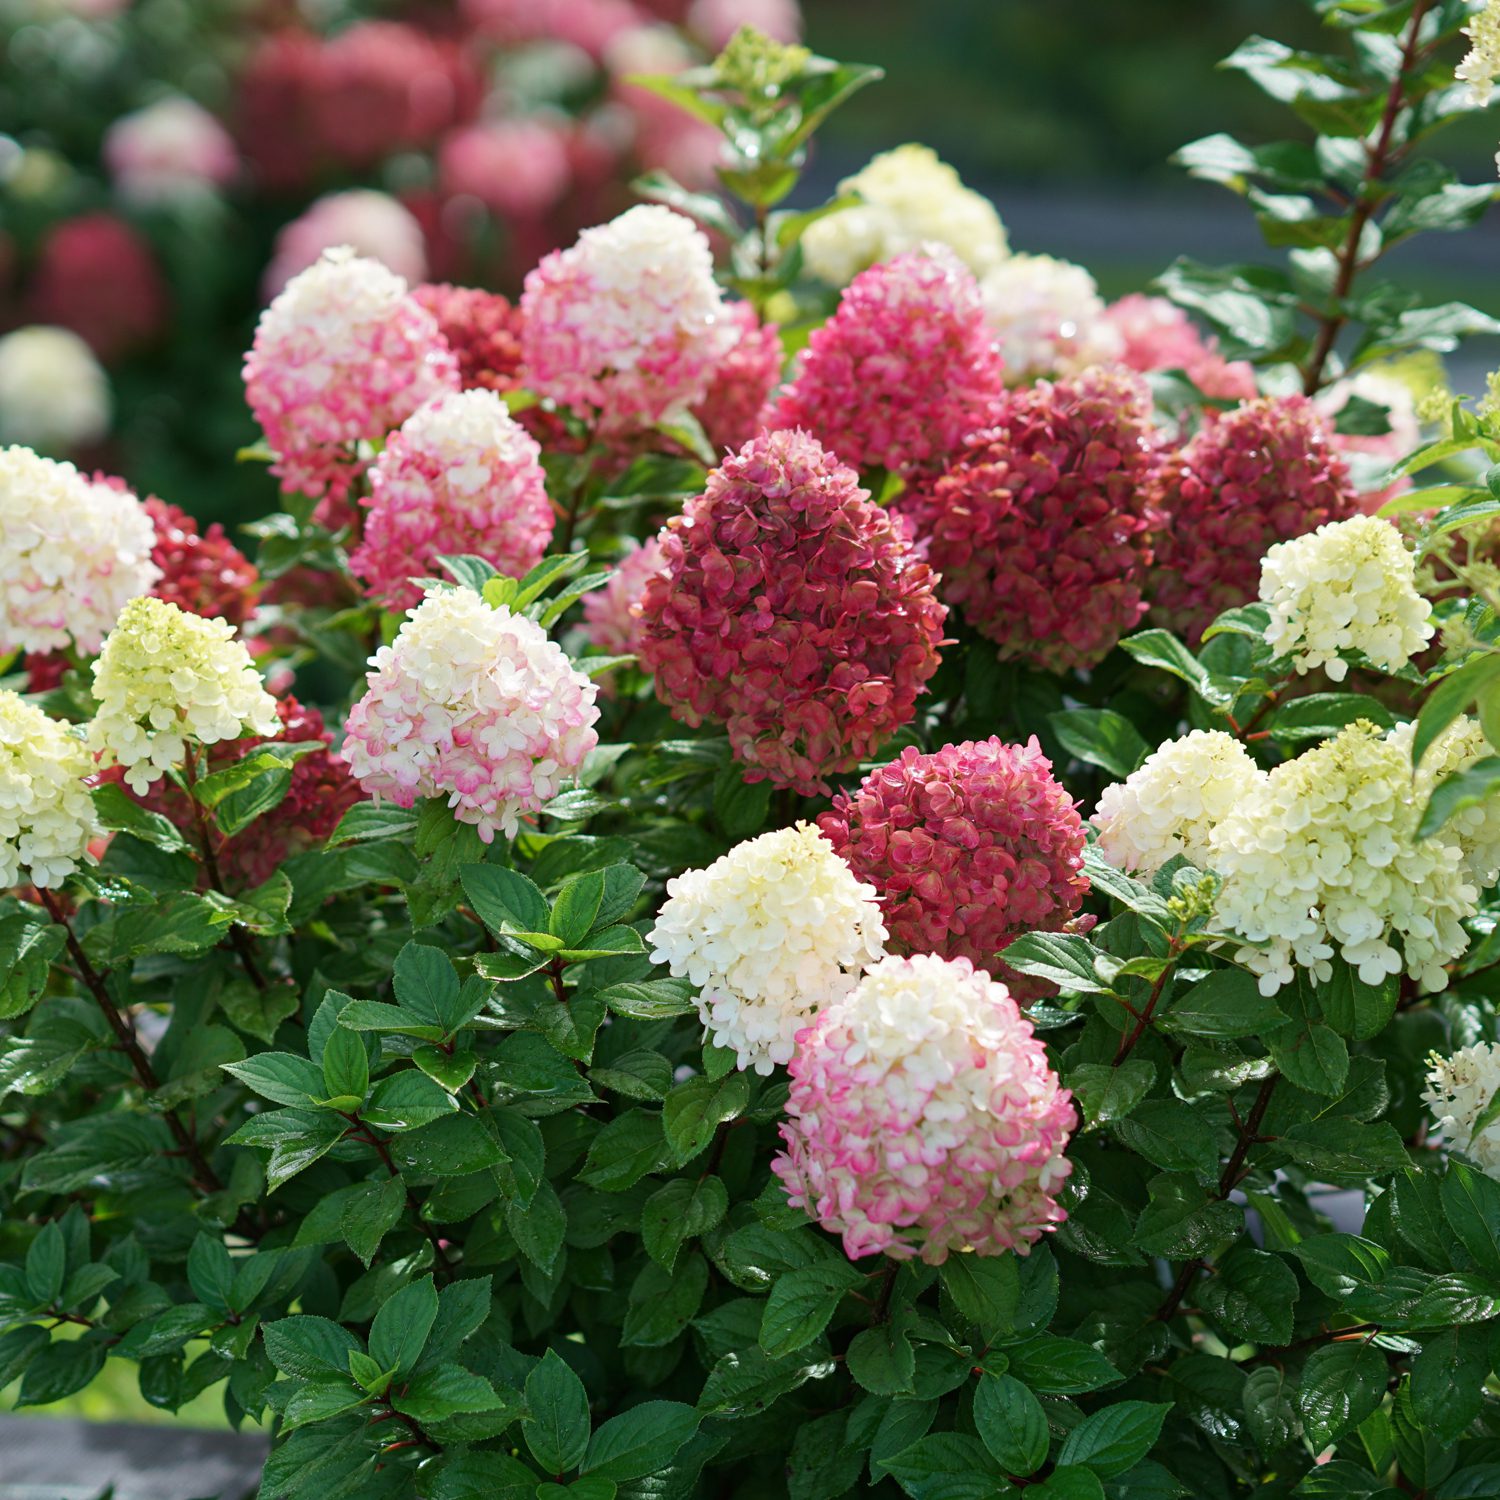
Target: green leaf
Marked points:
1448	1379
556	1424
663	1303
296	1138
211	1272
1226	1003
1311	1055
1100	737
986	1290
1452	695
370	1213
400	1329
881	1359
1182	1221
1341	1385
675	1213
695	1109
505	900
1464	789
1107	1093
1057	1366
446	1390
346	1068
1063	958
625	1150
1346	1153
1115	1439
262	794
60	1370
740	806
121	813
576	907
1251	1296
282	1077
484	1476
406	1101
640	1442
1320	716
1354	1008
946	1466
453	1146
27	948
46	1265
1171	1135
307	1346
319	1400
1162	649
1011	1424
1471	1205
650	999
801	1304
1071	1482
103	1149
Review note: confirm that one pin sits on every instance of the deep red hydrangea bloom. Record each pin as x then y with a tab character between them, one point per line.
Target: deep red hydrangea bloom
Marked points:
1039	530
793	611
742	383
97	276
904	370
202	572
322	791
483	329
968	848
1260	474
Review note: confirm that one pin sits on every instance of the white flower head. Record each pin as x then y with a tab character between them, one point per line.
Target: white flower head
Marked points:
53	393
1481	65
46	813
1172	803
1348	586
1323	858
770	932
1459	1090
1048	318
167	681
72	552
910	197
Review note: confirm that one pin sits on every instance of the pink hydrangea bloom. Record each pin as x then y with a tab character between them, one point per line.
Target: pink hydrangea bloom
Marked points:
1040	529
518	168
743	382
793	611
482	328
666	137
612	615
344	354
587	24
924	1118
370	223
627	321
1156	334
715	21
460	476
1260	474
169	150
968	848
905	369
474	704
98	275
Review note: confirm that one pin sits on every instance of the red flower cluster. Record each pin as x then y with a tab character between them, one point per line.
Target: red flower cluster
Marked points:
968	848
1040	529
322	791
350	100
97	275
793	611
202	572
483	330
742	383
1260	474
903	372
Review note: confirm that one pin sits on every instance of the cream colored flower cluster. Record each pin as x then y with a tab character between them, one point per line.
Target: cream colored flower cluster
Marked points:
1319	856
1048	318
910	197
1348	586
1481	65
53	393
1459	1090
167	680
1172	804
46	813
771	932
71	553
474	704
1323	858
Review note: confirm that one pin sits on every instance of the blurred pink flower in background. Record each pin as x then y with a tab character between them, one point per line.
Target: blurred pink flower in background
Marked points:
713	22
667	137
374	224
588	24
518	167
170	150
96	275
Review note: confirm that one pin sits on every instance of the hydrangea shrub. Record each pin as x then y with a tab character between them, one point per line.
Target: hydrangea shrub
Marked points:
687	928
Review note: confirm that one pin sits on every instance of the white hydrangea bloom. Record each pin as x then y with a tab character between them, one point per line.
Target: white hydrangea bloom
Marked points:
167	680
911	197
1322	858
771	932
1476	830
72	553
1048	317
475	704
1348	586
1173	802
46	813
1459	1090
53	393
1481	65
